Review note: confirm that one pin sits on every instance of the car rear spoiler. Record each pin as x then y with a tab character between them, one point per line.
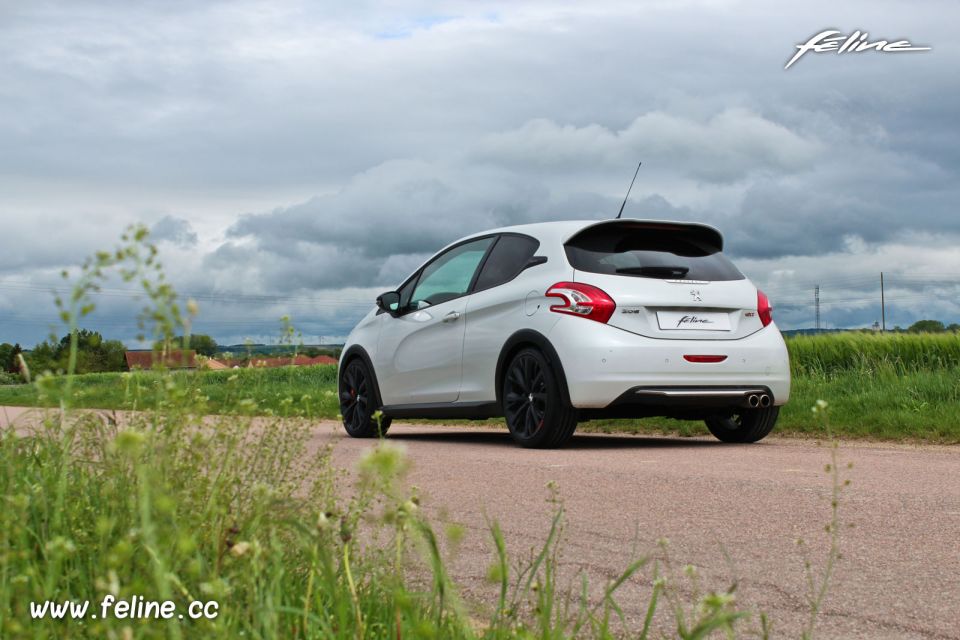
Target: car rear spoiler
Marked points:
701	232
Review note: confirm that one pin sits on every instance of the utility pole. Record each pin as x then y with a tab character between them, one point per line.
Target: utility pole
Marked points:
816	305
883	306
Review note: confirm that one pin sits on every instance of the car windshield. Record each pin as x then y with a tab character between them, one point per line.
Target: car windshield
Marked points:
642	252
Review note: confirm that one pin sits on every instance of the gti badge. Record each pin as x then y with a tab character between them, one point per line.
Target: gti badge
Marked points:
696	295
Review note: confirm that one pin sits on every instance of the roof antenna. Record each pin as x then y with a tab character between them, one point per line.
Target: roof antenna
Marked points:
628	190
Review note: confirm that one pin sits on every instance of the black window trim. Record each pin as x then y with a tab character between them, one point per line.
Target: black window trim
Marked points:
476	275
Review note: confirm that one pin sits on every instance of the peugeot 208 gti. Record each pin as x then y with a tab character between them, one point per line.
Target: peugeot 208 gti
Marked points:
549	324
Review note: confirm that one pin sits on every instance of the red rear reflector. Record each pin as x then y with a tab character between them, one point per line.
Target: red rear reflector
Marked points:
704	358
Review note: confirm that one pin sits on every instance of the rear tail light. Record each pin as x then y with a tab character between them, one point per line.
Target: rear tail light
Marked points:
582	300
710	358
764	308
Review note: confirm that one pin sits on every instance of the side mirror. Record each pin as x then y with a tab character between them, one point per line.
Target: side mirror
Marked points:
389	302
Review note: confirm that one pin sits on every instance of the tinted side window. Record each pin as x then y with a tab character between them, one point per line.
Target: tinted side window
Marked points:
649	253
507	259
449	275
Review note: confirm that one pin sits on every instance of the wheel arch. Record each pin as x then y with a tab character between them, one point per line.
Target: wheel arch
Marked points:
521	340
356	352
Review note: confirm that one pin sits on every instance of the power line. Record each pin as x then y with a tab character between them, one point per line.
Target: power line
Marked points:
199	296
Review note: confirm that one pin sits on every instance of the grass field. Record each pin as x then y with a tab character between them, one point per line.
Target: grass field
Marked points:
885	387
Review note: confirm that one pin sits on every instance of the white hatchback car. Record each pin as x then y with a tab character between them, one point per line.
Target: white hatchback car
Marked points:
549	324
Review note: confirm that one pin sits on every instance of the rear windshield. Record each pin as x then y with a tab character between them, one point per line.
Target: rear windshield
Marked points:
648	253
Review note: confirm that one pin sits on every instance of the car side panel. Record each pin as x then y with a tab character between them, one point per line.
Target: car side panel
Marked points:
496	314
418	357
366	335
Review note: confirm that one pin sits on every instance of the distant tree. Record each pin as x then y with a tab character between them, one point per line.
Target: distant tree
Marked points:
94	354
112	356
199	342
927	326
953	327
44	357
203	344
314	351
7	355
86	340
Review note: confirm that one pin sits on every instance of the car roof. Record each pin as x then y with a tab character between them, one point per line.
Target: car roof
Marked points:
563	230
559	232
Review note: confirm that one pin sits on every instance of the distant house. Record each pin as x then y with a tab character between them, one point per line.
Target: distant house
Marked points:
212	364
175	359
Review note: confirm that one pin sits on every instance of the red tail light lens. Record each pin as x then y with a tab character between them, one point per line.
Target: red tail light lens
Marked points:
764	308
692	358
582	300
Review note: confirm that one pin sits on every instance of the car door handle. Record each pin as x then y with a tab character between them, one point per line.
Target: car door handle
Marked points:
452	316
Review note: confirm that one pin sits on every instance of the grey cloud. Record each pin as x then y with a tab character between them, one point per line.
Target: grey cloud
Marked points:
725	147
294	266
475	116
50	242
174	230
384	222
920	276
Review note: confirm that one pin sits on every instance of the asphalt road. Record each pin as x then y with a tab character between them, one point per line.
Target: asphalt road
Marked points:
734	512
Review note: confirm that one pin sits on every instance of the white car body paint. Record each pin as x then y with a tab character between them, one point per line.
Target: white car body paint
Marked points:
447	353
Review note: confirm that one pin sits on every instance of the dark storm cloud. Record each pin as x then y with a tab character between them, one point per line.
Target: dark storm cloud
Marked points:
360	137
385	222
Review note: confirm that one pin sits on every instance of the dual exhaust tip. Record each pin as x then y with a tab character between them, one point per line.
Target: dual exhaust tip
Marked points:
755	400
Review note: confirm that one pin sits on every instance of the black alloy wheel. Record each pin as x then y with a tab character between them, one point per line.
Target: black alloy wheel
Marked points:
533	406
358	402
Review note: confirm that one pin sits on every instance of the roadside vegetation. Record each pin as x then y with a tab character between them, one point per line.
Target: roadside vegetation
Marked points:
171	503
891	387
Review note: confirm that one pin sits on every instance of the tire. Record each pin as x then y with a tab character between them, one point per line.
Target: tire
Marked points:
534	407
749	425
359	400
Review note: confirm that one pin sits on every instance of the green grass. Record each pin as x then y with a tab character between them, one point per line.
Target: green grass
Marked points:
283	391
172	506
880	404
904	352
887	387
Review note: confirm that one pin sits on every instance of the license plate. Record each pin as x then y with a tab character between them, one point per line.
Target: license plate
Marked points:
693	321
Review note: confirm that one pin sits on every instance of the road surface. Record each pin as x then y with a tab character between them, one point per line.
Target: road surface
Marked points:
734	512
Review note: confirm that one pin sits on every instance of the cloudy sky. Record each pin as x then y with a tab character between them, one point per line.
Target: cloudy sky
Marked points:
298	158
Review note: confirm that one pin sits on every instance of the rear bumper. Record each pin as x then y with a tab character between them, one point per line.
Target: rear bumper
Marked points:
605	367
